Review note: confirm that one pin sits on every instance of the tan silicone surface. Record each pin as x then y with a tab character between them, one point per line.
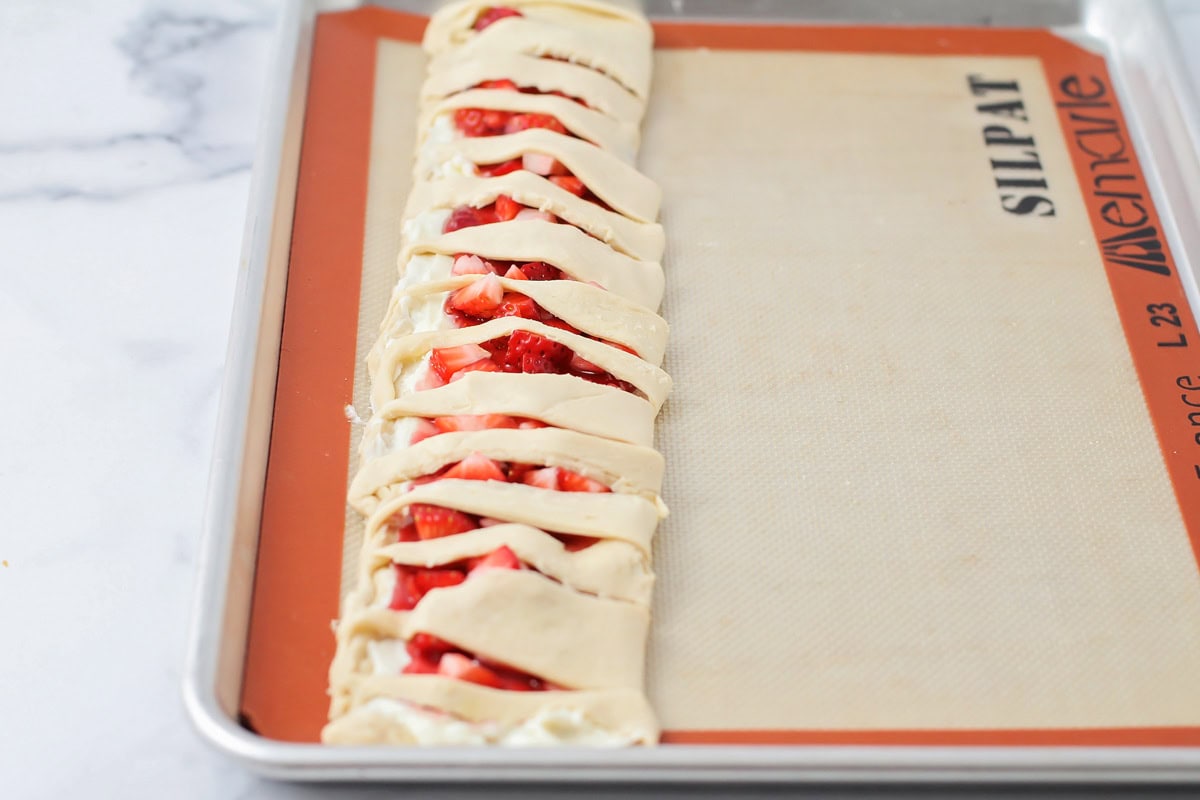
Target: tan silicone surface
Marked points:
911	476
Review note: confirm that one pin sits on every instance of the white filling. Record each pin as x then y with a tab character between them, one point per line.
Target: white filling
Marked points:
442	131
388	656
426	226
549	727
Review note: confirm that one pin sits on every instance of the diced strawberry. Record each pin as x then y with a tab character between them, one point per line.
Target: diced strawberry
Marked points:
518	471
529	352
431	379
476	467
495	170
470	121
539	271
407	533
494	119
503	83
434	522
574	482
466	264
423	429
473	422
446	361
426	579
548	478
494	14
533	213
466	217
478	298
530	424
574	543
580	364
516	305
500	558
427	647
419	665
514	274
483	365
538	163
488	522
456	665
570	183
406	593
521	122
506	208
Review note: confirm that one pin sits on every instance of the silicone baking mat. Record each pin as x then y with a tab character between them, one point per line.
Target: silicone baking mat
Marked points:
931	450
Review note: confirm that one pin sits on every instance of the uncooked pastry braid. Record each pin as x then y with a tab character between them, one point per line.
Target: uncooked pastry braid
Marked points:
506	474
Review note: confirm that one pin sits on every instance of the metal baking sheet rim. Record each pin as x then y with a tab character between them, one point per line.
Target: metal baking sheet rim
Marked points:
1166	127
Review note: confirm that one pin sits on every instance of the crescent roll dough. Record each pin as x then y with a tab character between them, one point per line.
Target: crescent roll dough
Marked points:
485	610
640	240
617	183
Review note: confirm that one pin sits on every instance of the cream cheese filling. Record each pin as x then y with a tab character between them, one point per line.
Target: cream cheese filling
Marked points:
548	727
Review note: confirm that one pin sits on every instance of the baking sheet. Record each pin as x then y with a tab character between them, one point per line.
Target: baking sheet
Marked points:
927	645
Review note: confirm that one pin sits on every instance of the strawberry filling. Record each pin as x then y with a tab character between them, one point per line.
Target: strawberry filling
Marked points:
518	352
424	521
412	583
474	122
433	656
511	86
549	168
470	422
493	14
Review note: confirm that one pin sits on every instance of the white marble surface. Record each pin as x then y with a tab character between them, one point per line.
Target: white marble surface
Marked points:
126	134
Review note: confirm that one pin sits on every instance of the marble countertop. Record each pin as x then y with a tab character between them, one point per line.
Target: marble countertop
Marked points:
126	142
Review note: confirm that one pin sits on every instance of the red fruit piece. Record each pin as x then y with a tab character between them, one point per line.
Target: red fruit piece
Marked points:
514	274
570	183
426	645
521	122
459	666
426	579
478	298
483	365
405	594
500	558
466	217
434	522
494	14
517	305
466	264
494	120
531	353
473	422
503	168
506	208
539	271
503	83
445	361
470	121
548	478
407	533
529	424
574	482
476	467
423	430
580	364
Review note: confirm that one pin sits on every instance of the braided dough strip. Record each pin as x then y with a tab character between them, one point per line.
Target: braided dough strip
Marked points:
394	362
559	400
589	308
601	36
562	246
529	622
624	517
641	240
615	182
620	138
374	719
627	468
451	73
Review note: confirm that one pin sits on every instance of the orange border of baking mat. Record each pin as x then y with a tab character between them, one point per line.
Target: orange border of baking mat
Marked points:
296	586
